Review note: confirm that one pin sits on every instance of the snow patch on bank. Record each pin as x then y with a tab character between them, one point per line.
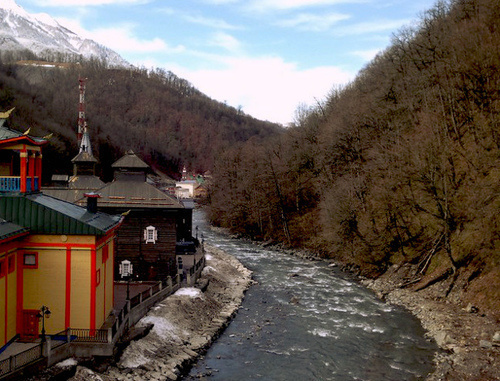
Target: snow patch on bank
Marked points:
162	327
68	363
208	270
190	291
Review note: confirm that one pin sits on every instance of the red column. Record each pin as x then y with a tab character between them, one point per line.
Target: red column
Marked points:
38	169
31	170
24	169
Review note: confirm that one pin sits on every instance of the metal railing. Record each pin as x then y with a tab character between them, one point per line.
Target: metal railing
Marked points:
20	360
13	184
10	184
88	335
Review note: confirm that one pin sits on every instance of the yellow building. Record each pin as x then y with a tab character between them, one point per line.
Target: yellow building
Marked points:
52	253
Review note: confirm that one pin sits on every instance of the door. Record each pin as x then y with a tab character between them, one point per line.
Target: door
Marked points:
30	325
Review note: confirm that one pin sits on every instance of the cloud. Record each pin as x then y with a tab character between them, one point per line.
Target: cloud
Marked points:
267	88
120	38
225	41
210	22
370	27
313	22
214	23
266	5
84	3
366	55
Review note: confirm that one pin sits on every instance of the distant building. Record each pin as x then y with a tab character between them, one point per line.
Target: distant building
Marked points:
52	253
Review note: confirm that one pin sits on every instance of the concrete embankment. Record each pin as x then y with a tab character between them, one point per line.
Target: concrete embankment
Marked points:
184	325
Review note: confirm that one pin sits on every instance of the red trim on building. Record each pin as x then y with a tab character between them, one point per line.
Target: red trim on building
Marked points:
105	288
5	240
31	170
20	292
27	244
67	312
21	138
11	263
3	268
6	299
24	169
93	261
38	169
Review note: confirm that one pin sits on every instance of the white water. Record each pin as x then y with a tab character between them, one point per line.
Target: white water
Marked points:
306	321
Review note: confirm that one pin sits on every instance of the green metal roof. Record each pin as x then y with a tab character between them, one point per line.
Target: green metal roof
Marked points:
8	229
43	214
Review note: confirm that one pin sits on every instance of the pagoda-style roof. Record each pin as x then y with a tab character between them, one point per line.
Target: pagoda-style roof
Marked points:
130	161
8	136
42	214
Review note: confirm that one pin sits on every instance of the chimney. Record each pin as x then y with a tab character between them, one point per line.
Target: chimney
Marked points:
92	201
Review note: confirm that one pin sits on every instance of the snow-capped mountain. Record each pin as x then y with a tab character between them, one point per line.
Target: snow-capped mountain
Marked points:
45	37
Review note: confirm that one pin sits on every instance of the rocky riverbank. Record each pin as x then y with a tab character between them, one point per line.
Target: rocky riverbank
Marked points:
469	339
183	325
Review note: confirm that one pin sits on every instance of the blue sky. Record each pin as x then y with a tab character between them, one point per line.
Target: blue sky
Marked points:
265	56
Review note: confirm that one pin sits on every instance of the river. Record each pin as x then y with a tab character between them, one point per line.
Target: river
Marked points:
304	320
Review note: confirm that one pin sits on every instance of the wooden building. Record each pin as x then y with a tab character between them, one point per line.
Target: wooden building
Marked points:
52	253
155	221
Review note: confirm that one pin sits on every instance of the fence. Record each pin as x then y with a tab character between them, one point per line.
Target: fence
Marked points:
19	361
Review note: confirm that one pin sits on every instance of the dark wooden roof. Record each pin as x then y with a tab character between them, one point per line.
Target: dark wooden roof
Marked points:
47	215
132	194
84	157
130	161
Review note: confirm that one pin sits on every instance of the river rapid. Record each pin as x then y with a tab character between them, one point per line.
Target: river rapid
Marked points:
304	320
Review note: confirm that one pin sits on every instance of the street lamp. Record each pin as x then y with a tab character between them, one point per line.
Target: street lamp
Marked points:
126	270
43	313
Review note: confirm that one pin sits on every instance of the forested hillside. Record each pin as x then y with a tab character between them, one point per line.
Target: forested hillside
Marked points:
153	112
400	167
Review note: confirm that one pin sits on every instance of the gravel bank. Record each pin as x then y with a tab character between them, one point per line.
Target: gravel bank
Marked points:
470	341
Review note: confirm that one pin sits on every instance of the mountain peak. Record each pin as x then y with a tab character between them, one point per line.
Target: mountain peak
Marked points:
11	5
44	36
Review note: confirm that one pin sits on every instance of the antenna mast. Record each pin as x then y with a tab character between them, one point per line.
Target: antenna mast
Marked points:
83	136
81	110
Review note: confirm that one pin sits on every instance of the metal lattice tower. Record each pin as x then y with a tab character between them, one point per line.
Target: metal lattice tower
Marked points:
83	136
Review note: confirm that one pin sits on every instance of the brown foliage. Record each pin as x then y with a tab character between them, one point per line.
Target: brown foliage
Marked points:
403	163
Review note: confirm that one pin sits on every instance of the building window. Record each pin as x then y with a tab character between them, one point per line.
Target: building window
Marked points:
30	260
2	268
98	277
12	263
150	234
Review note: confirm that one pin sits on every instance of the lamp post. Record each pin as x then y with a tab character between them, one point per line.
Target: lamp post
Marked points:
44	312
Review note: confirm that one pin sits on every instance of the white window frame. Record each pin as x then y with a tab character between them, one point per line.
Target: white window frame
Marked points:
150	234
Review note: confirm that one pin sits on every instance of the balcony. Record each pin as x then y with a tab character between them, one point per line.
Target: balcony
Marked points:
13	184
